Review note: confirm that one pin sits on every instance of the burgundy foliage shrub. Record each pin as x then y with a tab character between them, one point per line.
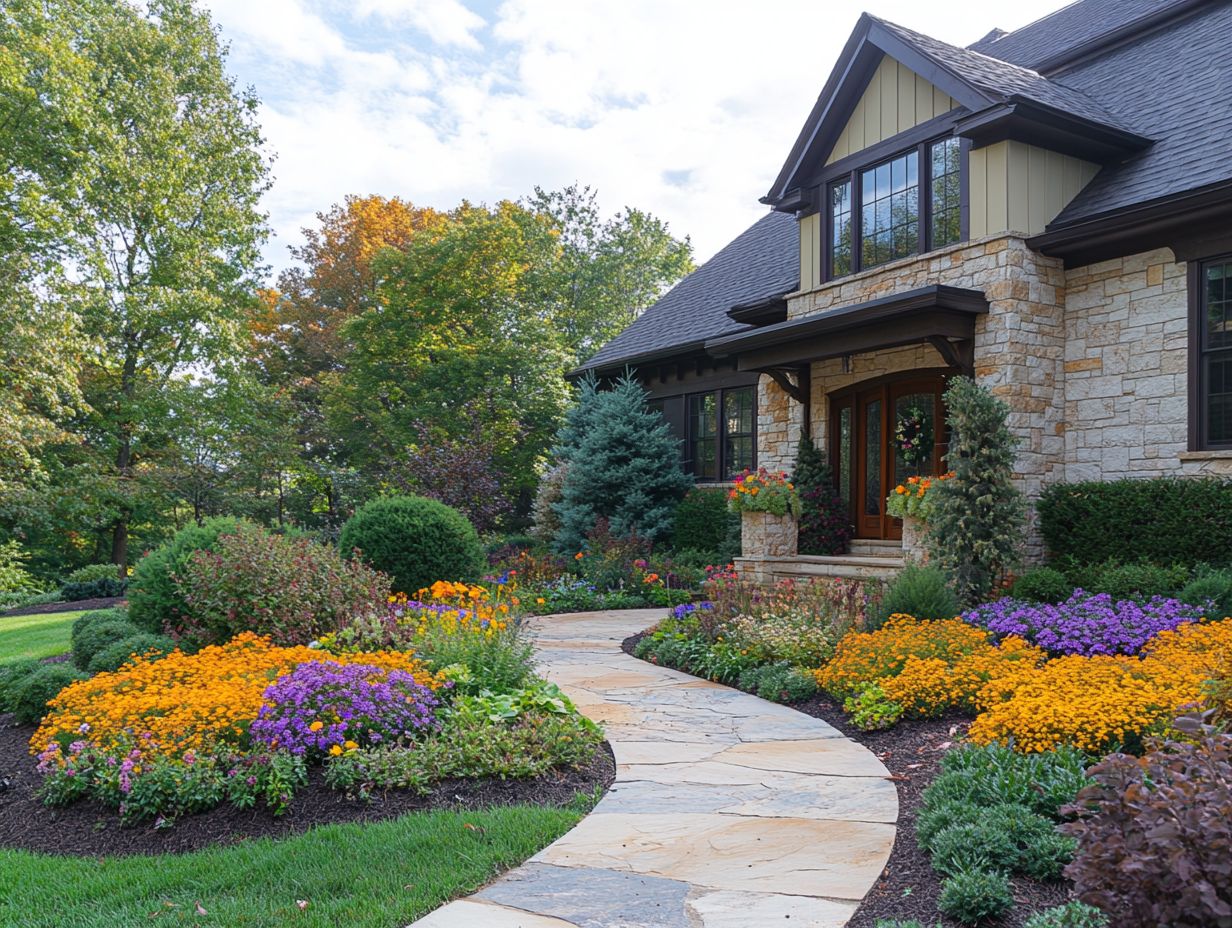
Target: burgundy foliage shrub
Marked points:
459	473
293	590
1155	837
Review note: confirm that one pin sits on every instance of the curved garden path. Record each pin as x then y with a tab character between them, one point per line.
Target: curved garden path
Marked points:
727	811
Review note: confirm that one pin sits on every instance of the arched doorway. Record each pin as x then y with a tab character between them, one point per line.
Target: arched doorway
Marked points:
883	431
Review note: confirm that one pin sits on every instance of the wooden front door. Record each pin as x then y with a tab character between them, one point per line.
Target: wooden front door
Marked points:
881	433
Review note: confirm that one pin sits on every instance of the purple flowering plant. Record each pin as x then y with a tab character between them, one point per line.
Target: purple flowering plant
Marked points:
1086	623
322	707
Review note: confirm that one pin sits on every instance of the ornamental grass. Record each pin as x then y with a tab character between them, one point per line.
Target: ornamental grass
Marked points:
195	702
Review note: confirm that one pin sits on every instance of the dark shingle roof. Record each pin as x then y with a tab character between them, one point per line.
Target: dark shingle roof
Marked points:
1068	28
762	261
1003	79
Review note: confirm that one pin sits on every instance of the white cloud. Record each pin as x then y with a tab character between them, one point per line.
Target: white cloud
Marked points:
679	107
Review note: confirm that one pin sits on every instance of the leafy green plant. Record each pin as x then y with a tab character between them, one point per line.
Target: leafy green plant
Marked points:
825	522
545	522
777	682
702	523
1213	586
10	676
116	655
1170	813
974	845
104	588
29	695
973	896
871	710
14	578
1042	585
153	597
1070	915
977	522
415	541
501	662
94	636
1138	580
995	774
92	572
919	591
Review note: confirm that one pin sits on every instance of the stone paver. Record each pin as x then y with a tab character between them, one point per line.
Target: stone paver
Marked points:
727	811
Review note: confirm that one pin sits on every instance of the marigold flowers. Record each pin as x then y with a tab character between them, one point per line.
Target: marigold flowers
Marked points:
764	491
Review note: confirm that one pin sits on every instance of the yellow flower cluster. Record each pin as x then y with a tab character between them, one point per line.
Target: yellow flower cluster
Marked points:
190	701
928	668
1096	703
456	609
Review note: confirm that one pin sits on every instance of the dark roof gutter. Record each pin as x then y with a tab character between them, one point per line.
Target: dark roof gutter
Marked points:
1051	128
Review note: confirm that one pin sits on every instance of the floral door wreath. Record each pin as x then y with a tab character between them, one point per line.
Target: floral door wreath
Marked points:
913	436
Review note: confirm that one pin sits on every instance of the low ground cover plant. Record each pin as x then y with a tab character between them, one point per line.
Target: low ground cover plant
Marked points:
1086	623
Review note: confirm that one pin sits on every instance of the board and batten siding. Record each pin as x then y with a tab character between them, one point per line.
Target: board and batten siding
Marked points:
1016	187
895	100
810	251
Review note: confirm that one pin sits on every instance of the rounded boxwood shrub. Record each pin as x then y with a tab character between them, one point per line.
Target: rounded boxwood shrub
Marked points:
1070	915
11	675
98	617
30	696
153	598
917	591
116	655
416	541
973	896
98	635
1214	587
1043	585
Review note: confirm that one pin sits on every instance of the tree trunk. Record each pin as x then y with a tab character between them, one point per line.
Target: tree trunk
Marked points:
124	455
119	531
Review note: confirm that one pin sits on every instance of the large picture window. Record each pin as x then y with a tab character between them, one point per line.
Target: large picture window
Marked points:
722	433
1211	332
902	206
704	435
738	446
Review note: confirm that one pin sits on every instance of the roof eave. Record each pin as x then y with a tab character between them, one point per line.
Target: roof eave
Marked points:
1048	127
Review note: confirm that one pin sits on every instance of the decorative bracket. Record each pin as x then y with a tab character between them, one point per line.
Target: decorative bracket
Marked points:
959	353
797	389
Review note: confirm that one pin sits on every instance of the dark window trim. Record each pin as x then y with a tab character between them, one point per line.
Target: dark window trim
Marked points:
1198	388
720	435
923	178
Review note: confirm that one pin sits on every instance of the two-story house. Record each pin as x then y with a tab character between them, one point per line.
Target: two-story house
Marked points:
1048	210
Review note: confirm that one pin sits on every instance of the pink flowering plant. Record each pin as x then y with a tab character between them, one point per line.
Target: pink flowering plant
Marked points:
323	708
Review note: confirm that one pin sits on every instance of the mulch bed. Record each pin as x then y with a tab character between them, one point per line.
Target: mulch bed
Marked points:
106	602
92	830
909	887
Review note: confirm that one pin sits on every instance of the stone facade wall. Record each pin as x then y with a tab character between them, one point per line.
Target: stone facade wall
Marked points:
779	419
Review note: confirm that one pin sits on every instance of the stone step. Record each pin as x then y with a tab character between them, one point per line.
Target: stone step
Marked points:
872	545
832	568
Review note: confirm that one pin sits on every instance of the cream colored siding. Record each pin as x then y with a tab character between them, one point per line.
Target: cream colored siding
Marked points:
1016	187
895	100
810	252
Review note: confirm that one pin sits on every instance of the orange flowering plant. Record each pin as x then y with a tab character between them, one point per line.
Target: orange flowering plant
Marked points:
913	499
764	491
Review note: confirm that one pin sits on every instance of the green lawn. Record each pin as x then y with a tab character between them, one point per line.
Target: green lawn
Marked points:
381	875
35	636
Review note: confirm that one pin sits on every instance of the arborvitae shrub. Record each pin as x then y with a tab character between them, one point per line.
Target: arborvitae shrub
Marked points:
624	466
1166	520
415	541
825	522
153	599
703	522
976	529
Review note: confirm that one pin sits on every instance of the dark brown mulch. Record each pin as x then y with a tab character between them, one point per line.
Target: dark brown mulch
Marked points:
909	887
90	829
105	602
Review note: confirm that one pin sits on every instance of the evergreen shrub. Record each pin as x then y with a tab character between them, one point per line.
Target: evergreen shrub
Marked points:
415	541
95	636
29	696
1213	586
703	522
918	591
116	655
153	598
1043	585
825	523
1165	520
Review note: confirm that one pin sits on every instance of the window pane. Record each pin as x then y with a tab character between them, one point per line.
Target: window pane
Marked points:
844	456
738	410
1219	398
889	208
703	432
840	229
872	459
1219	305
945	192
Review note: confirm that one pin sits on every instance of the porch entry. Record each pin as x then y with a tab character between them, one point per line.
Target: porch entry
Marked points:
882	432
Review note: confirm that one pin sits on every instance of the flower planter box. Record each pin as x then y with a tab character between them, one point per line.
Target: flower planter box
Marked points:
915	540
763	534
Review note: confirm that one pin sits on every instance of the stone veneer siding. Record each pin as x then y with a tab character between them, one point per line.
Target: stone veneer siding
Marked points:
1092	361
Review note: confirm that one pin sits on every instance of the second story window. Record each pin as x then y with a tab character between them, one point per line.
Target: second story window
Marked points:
906	205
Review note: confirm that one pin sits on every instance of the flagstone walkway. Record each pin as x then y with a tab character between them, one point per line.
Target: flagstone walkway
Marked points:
727	811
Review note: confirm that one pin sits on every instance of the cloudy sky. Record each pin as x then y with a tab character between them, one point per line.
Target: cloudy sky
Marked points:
685	108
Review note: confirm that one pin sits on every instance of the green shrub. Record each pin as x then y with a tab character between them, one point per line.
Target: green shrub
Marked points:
104	588
545	521
30	695
116	655
938	815
918	591
825	521
624	466
1043	585
995	774
1045	859
92	572
974	896
871	710
778	682
293	590
976	528
973	845
501	662
14	578
98	617
96	636
703	522
153	598
1070	915
415	541
1210	586
1163	520
1139	580
11	675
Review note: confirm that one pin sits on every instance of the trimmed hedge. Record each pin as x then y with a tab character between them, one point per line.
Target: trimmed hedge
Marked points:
1167	520
416	541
